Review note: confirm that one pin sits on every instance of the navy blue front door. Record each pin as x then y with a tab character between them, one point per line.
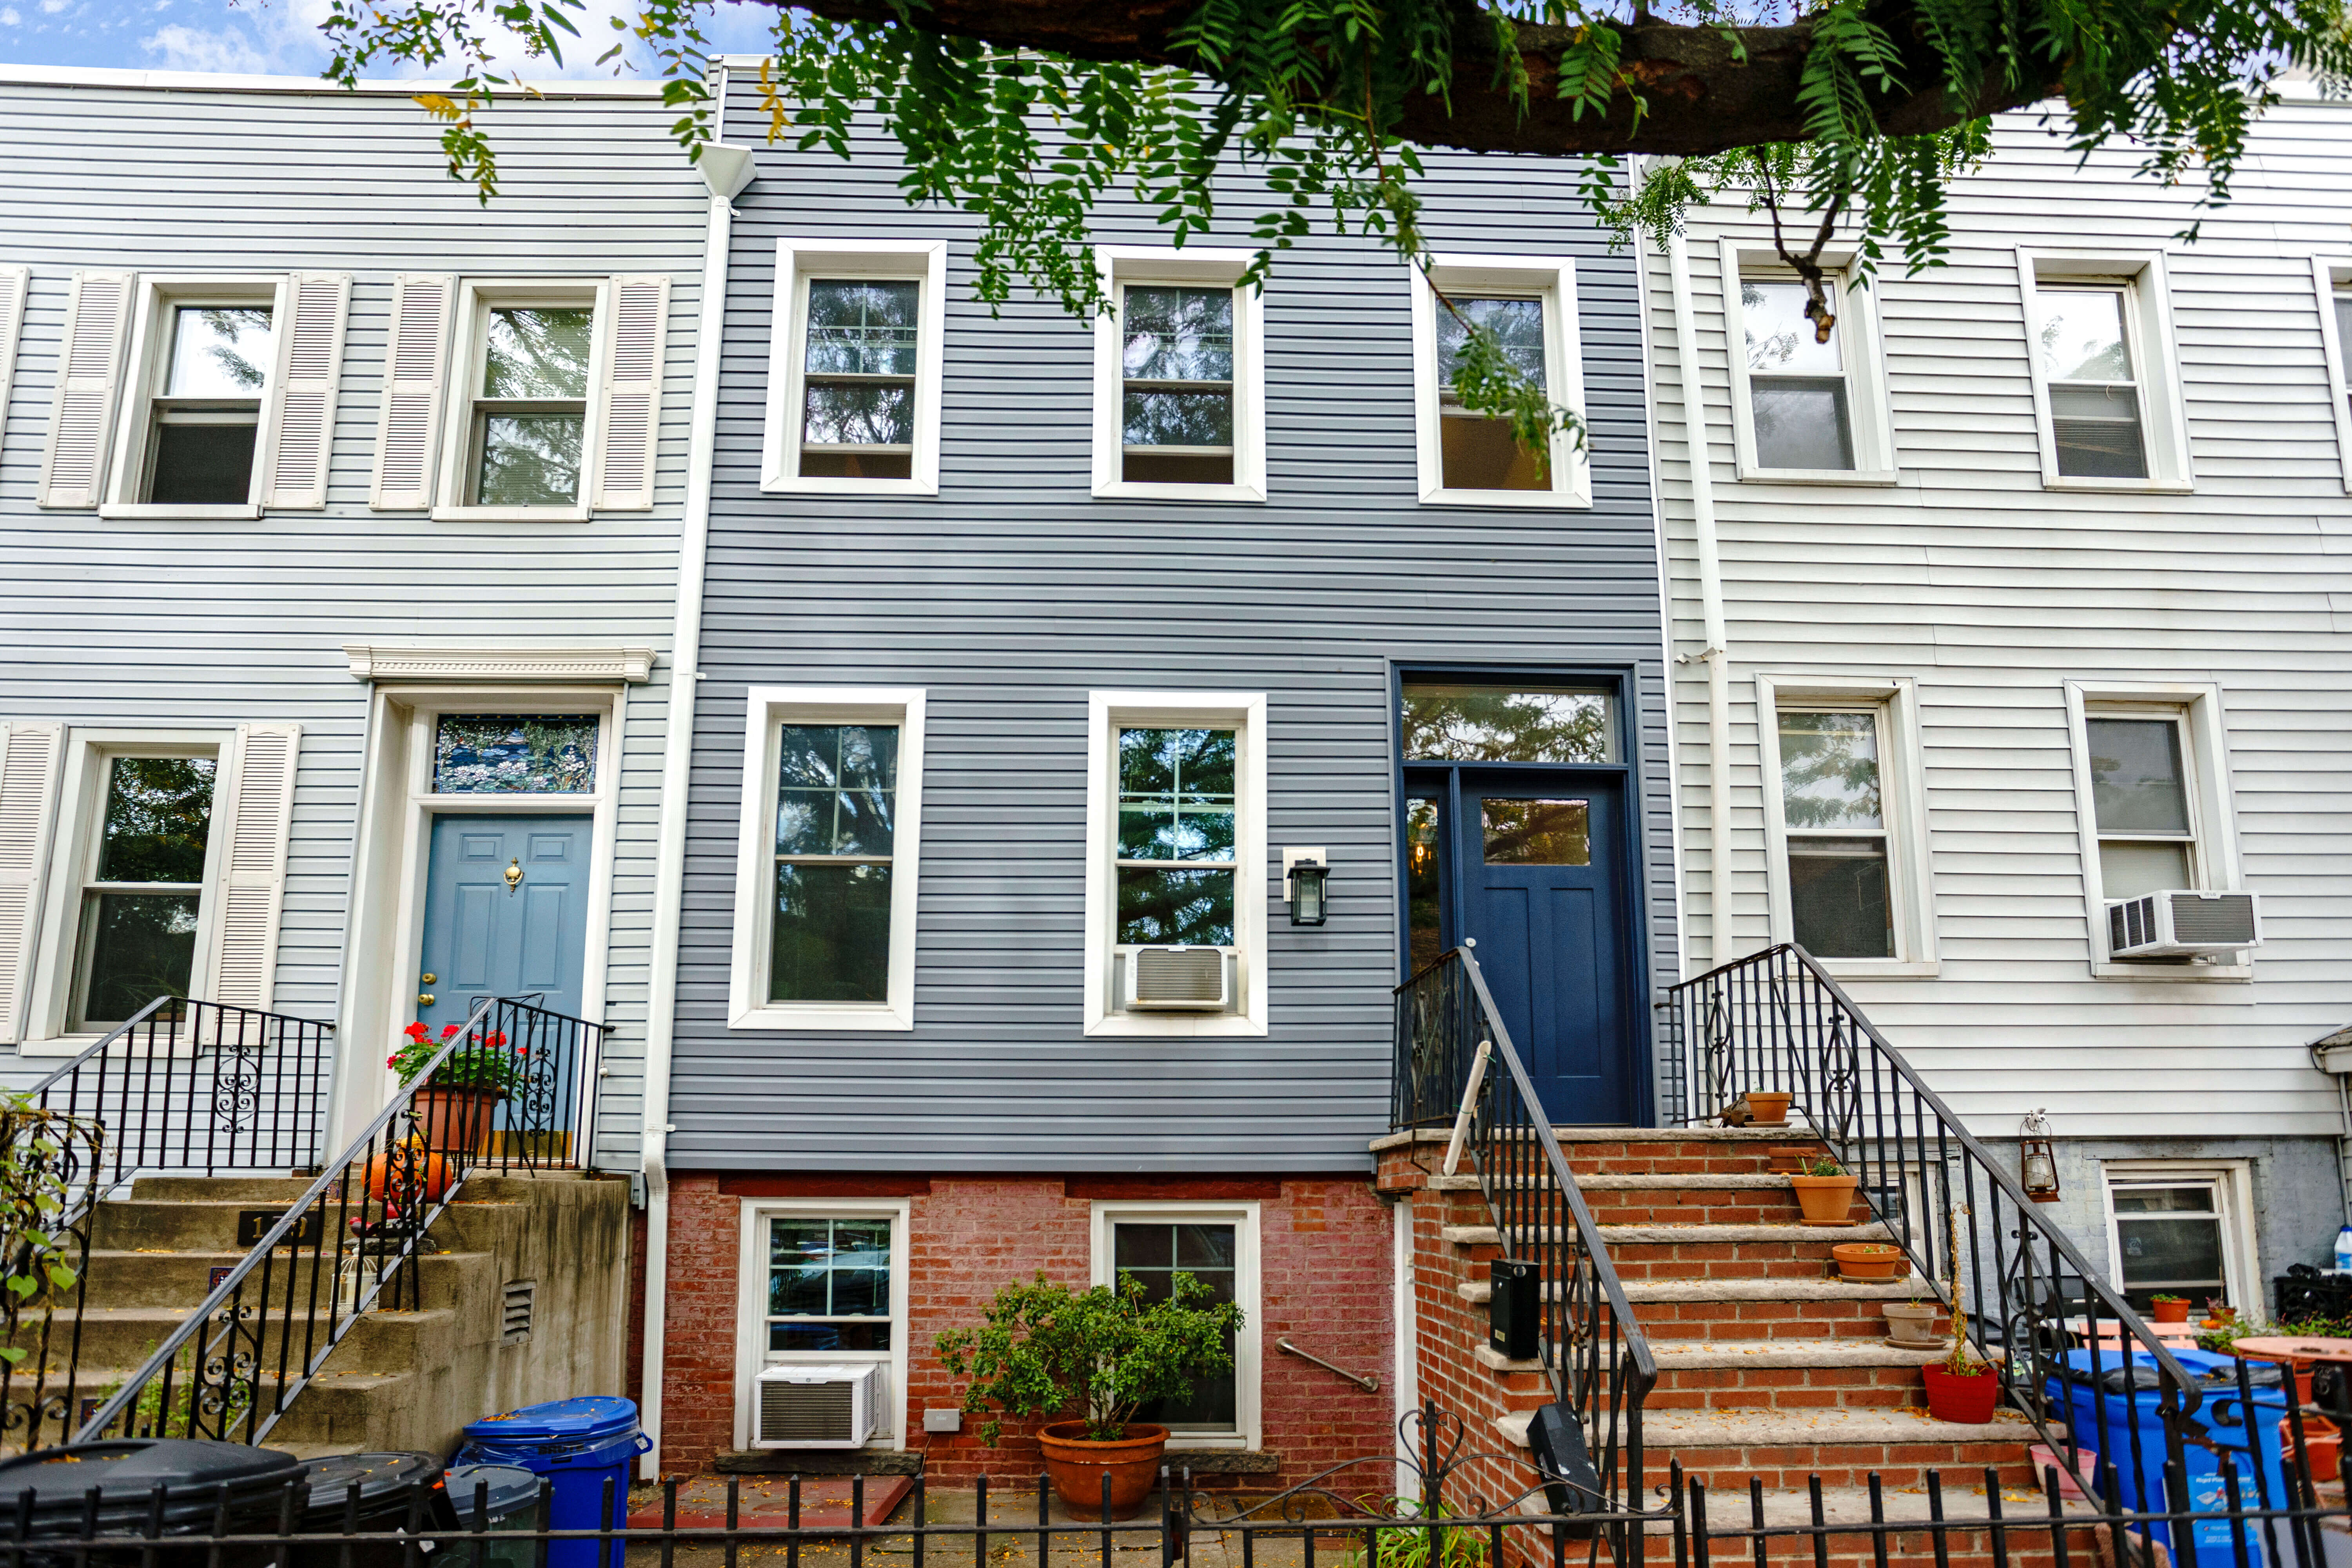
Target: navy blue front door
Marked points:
506	914
1536	860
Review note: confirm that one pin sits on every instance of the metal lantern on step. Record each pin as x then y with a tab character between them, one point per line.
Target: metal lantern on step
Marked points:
2037	1162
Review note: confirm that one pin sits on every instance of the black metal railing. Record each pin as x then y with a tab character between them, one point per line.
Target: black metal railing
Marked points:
2074	1357
1599	1365
511	1089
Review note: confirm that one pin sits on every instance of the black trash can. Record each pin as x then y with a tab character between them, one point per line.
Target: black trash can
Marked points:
199	1481
509	1496
390	1486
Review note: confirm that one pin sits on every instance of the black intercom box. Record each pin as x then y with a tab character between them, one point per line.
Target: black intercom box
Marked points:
1512	1309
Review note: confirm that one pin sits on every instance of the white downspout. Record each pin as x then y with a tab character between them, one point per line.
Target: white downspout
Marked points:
726	170
1721	943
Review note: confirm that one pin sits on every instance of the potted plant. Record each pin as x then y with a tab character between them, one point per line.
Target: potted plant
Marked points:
1768	1108
1868	1262
1825	1191
2219	1313
454	1107
1912	1323
1092	1358
1790	1158
1961	1388
2171	1308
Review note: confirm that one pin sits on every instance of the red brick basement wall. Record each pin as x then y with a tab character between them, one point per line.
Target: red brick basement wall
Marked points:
1326	1247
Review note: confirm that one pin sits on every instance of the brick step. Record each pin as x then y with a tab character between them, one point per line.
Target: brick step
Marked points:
2026	1542
1726	1447
1769	1309
1788	1374
1677	1151
1730	1251
1747	1198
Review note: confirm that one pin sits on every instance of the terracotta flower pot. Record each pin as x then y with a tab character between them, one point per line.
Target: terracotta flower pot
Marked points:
1077	1465
456	1121
1912	1323
1790	1158
1825	1200
1767	1109
1869	1262
2324	1440
2171	1312
1968	1401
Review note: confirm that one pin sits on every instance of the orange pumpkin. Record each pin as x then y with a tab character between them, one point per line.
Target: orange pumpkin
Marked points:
407	1174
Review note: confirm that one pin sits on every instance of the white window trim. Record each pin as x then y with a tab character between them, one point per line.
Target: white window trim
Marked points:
751	1353
2234	1190
2328	274
150	348
1903	794
477	297
1860	347
1553	279
1123	265
81	810
2206	770
2155	365
1248	1344
797	261
1244	712
768	708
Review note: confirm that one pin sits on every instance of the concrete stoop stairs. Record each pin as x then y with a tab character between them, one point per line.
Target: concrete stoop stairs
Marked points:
386	1386
1770	1369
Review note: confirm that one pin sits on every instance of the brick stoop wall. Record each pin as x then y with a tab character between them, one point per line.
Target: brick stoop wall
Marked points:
1325	1267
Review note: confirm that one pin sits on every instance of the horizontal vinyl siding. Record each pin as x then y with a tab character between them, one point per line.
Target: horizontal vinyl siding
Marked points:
1992	592
1013	594
137	624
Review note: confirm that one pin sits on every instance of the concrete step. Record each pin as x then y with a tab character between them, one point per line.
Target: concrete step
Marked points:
1788	1374
184	1278
1730	1251
1844	1447
127	1336
1767	1309
252	1189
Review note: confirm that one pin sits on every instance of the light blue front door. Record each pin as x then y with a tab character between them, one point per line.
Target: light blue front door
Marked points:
506	914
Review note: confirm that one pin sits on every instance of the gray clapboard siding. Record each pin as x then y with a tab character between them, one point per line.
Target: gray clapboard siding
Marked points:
1990	592
1013	594
148	624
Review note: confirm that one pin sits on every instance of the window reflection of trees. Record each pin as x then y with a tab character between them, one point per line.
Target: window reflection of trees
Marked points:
1828	770
1499	724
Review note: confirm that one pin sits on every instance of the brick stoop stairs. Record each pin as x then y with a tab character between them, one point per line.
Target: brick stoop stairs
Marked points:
1768	1366
401	1380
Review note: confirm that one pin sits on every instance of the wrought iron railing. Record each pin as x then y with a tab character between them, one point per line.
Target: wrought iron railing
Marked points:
1593	1351
513	1088
2071	1353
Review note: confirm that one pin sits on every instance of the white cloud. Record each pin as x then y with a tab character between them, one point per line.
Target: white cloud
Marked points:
8	17
51	7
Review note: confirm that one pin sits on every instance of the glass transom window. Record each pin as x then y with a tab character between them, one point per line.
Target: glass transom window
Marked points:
857	414
1176	392
1480	452
531	411
142	899
2083	342
837	822
829	1285
1796	382
514	754
1840	902
1477	723
1176	863
209	413
2141	801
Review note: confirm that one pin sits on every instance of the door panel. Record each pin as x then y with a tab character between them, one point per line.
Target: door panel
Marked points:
485	938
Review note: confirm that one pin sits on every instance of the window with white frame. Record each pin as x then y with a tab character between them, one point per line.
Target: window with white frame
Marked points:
1528	306
823	1281
2333	278
2177	1229
2140	800
1217	1246
1176	846
1848	869
527	408
2105	374
210	377
1809	394
142	908
1178	377
826	898
2342	300
854	370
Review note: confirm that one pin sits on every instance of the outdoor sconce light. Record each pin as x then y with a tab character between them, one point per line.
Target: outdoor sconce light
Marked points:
1304	874
2037	1163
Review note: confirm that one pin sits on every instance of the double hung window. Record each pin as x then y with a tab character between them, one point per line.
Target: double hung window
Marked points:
2333	276
1798	399
1840	902
1176	391
1152	1242
142	889
2140	797
854	367
204	419
1176	836
2176	1231
2082	341
1479	451
829	1283
1525	307
529	420
822	1283
2342	300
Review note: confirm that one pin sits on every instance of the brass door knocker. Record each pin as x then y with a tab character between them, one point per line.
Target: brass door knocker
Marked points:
514	875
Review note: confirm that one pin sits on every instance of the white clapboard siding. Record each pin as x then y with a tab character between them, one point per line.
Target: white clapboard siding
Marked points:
89	375
29	756
255	821
408	431
14	282
310	369
632	394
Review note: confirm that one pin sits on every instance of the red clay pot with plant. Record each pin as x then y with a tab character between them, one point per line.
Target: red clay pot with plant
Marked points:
1868	1262
2171	1309
454	1109
1077	1465
1825	1192
1966	1397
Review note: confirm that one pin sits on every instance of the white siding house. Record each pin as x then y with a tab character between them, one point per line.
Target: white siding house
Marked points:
2066	594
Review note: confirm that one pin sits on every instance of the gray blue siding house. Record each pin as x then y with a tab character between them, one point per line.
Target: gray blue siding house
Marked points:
1034	654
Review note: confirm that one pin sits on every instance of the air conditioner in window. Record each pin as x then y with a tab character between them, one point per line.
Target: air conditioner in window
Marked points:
816	1407
2182	922
1177	979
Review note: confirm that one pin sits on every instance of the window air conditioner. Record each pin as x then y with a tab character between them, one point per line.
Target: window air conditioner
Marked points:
816	1407
2179	922
1174	979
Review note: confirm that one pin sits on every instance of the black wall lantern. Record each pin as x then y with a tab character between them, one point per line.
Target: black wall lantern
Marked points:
1303	876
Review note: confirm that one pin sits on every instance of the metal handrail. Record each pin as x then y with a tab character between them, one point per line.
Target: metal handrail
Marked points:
1594	1353
1777	1020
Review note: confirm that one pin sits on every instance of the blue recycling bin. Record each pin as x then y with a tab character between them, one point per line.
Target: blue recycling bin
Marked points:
582	1447
2249	1437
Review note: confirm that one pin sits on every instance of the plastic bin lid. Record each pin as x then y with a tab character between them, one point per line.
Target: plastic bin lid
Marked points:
589	1420
512	1488
125	1472
2208	1369
382	1478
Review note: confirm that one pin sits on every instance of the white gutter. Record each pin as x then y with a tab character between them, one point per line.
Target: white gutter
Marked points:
726	170
1721	943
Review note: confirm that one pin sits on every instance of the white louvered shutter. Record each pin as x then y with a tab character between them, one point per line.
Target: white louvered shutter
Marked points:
256	821
90	374
416	368
310	369
15	282
28	808
632	372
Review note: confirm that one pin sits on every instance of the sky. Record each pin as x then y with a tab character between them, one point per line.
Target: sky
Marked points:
278	37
